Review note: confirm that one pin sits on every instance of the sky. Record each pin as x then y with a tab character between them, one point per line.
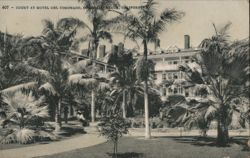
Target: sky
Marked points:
197	22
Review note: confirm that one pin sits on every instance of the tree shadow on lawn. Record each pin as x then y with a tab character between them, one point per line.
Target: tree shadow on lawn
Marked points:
211	141
70	131
127	155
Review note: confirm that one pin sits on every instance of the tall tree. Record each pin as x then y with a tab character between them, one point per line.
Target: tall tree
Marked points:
97	12
122	80
146	26
45	66
224	71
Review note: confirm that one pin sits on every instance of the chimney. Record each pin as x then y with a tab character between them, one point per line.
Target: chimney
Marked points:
114	49
157	43
186	41
120	47
101	52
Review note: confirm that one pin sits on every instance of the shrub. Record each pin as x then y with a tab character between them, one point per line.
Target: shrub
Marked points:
113	127
23	115
155	122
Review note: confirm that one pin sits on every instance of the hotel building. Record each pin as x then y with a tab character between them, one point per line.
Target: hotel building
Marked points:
166	67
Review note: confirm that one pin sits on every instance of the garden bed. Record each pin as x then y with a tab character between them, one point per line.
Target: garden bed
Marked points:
72	129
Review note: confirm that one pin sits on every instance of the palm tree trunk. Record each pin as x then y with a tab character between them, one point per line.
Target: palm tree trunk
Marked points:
147	127
124	104
66	112
94	52
222	129
58	116
92	106
115	148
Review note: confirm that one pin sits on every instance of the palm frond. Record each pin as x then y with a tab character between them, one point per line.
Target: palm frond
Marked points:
45	134
82	80
33	71
40	112
22	136
224	30
19	87
70	23
48	88
80	66
105	35
48	24
211	113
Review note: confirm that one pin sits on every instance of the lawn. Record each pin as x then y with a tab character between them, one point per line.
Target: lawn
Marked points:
162	147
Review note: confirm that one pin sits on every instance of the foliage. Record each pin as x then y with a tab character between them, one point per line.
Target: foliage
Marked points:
145	26
97	11
42	62
190	115
123	81
23	113
63	32
113	127
224	74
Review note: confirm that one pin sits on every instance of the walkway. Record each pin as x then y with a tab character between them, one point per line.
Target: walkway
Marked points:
83	141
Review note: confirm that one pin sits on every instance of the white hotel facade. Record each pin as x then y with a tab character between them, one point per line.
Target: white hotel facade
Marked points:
167	64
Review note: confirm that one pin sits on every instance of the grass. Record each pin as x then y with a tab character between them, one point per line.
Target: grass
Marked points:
162	147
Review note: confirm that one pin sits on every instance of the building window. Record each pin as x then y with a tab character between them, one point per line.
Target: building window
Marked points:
170	90
175	90
170	76
163	91
186	61
180	90
175	76
163	76
155	76
175	62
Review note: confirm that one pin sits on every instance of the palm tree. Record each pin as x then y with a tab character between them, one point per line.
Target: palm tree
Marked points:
123	78
24	112
223	71
145	26
63	32
81	75
189	114
10	56
97	12
46	65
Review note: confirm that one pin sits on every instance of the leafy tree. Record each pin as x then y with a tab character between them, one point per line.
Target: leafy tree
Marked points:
223	71
189	115
63	32
113	127
123	80
81	75
10	56
46	66
145	26
97	11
